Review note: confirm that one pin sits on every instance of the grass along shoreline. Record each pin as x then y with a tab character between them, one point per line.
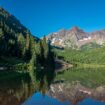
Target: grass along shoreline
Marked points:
89	67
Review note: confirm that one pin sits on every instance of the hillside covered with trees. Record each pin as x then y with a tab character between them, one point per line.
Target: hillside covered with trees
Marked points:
88	66
23	52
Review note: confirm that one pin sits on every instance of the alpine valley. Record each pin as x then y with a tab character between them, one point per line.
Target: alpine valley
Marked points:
64	65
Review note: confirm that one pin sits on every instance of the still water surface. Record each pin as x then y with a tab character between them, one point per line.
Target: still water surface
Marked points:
21	90
39	99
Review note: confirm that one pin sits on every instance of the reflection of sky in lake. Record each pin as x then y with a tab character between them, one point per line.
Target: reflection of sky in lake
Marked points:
38	99
91	102
15	91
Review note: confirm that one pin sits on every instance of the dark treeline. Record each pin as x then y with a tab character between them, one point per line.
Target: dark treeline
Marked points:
17	42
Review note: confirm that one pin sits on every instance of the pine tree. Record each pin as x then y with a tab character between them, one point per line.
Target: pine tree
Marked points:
1	32
27	55
33	54
45	47
47	64
21	44
1	42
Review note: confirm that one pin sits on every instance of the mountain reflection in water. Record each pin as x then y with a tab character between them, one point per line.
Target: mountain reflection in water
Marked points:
89	101
39	99
19	91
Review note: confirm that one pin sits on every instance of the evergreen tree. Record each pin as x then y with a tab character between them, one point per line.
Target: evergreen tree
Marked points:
45	73
33	54
45	47
27	55
21	44
1	42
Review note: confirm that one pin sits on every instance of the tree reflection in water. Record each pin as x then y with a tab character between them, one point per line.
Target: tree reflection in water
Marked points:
14	91
16	87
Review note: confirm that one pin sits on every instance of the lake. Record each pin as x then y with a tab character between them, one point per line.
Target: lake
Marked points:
39	99
21	89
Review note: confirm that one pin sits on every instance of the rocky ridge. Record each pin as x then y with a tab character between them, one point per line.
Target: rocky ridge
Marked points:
75	38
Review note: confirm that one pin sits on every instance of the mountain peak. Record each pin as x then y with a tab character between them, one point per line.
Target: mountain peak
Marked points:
75	29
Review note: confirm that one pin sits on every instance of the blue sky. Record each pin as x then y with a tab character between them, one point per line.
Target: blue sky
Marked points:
46	16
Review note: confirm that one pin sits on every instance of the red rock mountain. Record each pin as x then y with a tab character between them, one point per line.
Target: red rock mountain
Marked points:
75	37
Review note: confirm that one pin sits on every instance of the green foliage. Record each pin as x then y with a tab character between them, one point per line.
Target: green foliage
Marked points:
89	46
90	77
13	36
21	44
17	44
94	56
46	64
10	61
89	66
